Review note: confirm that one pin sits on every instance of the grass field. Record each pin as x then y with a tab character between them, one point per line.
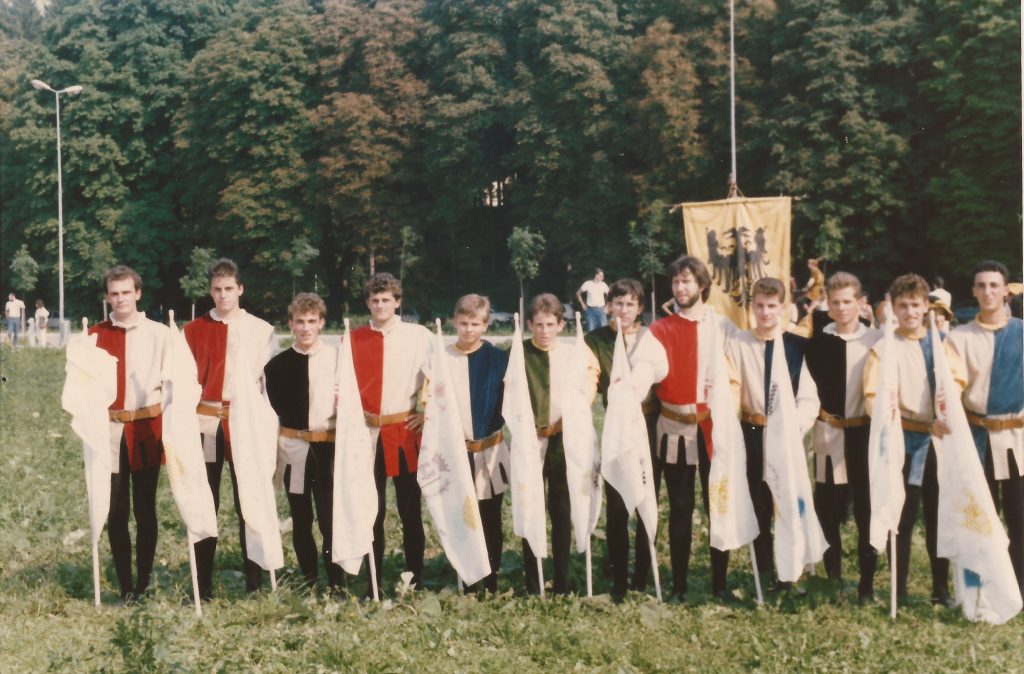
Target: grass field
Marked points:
49	623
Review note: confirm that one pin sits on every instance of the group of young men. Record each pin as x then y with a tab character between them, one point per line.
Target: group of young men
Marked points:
833	375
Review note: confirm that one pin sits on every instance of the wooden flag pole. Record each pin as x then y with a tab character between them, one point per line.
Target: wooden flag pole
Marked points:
757	575
96	573
590	575
892	574
654	568
373	576
540	575
273	581
195	576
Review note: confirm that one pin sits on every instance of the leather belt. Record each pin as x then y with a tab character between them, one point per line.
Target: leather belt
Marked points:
126	416
753	419
378	420
841	422
648	407
219	411
995	425
916	426
549	430
685	418
308	436
485	443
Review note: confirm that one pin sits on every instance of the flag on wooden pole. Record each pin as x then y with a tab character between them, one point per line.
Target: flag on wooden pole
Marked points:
582	460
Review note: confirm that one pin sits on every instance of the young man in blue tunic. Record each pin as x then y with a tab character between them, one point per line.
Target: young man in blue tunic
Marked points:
478	373
991	347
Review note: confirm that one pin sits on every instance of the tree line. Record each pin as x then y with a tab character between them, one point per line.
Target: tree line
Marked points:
316	141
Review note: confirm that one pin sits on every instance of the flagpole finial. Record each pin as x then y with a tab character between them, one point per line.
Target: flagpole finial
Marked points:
85	323
346	324
437	324
170	316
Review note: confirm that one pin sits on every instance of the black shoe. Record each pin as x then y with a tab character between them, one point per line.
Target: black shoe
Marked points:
865	598
943	600
725	596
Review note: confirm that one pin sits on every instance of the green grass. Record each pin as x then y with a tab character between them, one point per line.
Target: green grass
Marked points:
49	624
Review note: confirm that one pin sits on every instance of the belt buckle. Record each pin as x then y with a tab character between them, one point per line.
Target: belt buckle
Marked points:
305	435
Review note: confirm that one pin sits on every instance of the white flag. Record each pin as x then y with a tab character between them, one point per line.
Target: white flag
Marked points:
183	449
90	387
582	461
799	540
625	448
446	479
885	445
733	522
527	465
253	427
970	534
355	491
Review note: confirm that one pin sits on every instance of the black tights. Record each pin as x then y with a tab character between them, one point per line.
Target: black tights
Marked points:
1008	496
561	522
928	492
318	488
407	497
128	489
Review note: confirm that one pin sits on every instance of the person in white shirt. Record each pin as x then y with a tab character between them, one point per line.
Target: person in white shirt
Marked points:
594	307
42	318
14	311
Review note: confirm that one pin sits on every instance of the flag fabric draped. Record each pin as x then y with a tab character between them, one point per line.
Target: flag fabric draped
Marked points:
355	492
741	240
90	387
799	541
733	522
445	477
527	464
183	450
582	460
970	534
625	448
253	427
886	451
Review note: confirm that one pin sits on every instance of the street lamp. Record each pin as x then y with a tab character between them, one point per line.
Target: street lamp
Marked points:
76	89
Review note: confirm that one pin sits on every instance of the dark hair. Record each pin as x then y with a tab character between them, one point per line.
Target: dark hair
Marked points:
39	303
627	286
382	282
990	265
696	267
769	287
545	303
473	305
224	268
909	284
843	279
306	303
120	272
598	270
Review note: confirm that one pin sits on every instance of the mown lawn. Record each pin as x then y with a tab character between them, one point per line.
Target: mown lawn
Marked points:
49	624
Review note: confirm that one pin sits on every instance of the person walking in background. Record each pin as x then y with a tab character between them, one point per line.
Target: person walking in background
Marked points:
594	306
42	317
14	311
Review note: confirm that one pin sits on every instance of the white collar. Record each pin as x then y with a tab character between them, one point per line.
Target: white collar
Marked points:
217	317
128	325
317	345
830	329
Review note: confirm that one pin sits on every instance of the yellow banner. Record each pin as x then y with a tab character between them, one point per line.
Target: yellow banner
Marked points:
740	240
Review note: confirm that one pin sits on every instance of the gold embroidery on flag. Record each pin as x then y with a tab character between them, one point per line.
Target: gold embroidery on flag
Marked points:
469	514
718	496
975	519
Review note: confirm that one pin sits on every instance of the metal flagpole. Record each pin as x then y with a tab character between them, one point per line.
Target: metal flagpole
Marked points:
654	568
892	574
590	579
733	178
757	575
195	577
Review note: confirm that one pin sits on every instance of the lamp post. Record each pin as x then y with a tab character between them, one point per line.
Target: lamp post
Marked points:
76	89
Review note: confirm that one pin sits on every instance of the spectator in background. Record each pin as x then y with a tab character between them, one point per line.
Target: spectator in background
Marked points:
594	306
14	311
42	318
941	302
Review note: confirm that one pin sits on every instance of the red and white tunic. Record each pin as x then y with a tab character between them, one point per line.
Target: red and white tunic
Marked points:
392	365
674	354
214	343
142	349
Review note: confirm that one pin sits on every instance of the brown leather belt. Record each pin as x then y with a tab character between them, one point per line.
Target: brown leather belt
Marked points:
648	407
549	430
377	420
753	419
995	425
308	436
484	443
219	411
126	416
916	426
685	418
841	422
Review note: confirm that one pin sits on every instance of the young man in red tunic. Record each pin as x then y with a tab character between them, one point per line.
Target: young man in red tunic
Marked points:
215	339
142	348
391	362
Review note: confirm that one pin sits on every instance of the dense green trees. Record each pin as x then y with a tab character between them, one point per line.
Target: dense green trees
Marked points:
317	140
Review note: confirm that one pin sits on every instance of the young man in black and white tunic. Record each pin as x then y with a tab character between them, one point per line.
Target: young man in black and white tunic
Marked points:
302	390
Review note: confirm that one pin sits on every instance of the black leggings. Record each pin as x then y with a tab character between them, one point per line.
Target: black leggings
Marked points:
318	490
561	522
929	493
1009	498
128	489
407	496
